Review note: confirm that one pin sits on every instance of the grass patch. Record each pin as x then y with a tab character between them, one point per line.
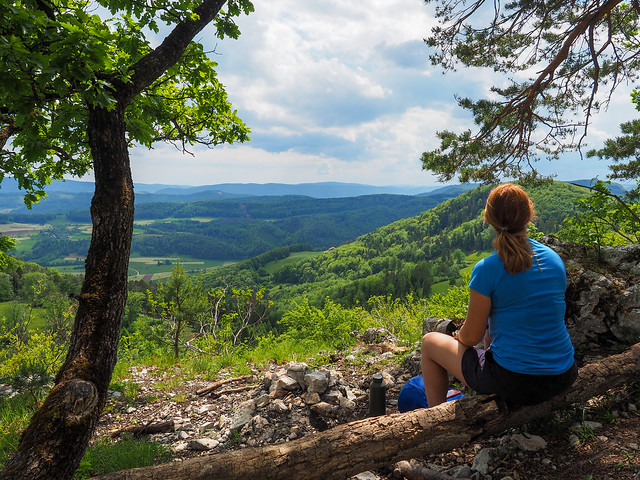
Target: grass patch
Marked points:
15	414
107	456
161	267
37	322
471	260
129	390
440	287
5	309
292	258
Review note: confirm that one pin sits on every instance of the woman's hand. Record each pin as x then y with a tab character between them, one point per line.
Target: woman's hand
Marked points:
475	325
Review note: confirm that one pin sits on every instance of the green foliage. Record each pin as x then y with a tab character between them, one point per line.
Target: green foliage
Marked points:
6	244
187	317
533	232
6	287
574	48
15	414
41	353
624	151
604	219
147	339
281	349
400	317
330	326
452	304
178	303
34	287
107	456
29	365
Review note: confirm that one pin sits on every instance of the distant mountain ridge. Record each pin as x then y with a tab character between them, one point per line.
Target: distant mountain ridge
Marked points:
70	195
317	189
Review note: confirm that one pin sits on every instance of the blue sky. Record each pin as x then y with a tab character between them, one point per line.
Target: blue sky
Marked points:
341	91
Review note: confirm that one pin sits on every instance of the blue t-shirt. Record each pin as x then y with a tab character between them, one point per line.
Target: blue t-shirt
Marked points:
526	321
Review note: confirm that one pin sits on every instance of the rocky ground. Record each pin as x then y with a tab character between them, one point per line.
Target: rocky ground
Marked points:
596	441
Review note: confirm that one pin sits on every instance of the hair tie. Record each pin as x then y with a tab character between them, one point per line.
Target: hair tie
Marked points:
504	229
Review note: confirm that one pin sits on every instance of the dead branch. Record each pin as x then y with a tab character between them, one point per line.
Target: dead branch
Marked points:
213	386
147	429
233	390
413	471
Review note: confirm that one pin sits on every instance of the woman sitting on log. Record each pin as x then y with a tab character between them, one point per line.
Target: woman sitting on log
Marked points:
516	303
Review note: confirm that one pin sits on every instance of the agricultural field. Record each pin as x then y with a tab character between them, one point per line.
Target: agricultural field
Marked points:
147	268
156	268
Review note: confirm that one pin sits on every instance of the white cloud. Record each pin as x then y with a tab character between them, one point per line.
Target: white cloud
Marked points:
332	91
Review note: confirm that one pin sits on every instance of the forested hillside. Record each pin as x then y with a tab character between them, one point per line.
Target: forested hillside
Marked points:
224	229
249	227
408	256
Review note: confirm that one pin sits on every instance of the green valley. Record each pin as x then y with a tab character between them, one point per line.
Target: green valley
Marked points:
210	233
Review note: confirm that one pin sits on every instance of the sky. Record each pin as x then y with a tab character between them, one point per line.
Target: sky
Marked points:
341	91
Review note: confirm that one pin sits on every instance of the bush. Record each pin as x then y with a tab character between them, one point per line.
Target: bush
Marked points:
29	366
332	326
401	317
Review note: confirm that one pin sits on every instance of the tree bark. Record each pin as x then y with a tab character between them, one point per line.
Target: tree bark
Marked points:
383	441
49	447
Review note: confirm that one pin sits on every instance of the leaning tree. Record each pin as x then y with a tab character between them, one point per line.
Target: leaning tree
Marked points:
81	83
564	58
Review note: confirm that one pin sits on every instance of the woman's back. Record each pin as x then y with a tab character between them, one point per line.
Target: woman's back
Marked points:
527	312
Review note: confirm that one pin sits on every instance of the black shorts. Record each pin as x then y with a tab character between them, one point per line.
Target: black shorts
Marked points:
483	375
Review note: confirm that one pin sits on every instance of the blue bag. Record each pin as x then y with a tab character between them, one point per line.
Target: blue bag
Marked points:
412	395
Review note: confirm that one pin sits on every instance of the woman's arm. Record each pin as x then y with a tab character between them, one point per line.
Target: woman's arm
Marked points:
475	325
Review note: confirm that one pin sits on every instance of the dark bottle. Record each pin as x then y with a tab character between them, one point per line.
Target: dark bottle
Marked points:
377	400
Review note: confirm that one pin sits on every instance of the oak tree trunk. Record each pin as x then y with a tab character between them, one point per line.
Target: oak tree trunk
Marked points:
53	444
382	441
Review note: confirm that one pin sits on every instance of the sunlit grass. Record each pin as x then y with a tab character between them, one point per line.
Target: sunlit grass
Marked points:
15	414
107	456
292	258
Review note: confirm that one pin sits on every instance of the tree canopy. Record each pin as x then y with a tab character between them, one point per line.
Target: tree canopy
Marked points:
624	151
62	56
564	58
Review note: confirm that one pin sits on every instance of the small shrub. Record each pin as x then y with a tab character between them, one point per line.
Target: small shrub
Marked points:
331	327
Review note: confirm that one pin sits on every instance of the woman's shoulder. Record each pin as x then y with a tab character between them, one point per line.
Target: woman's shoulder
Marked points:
545	252
538	248
489	261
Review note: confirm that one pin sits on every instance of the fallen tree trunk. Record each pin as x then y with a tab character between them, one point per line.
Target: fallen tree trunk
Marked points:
383	441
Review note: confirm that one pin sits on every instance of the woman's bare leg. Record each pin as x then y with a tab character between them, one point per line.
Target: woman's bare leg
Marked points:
440	354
